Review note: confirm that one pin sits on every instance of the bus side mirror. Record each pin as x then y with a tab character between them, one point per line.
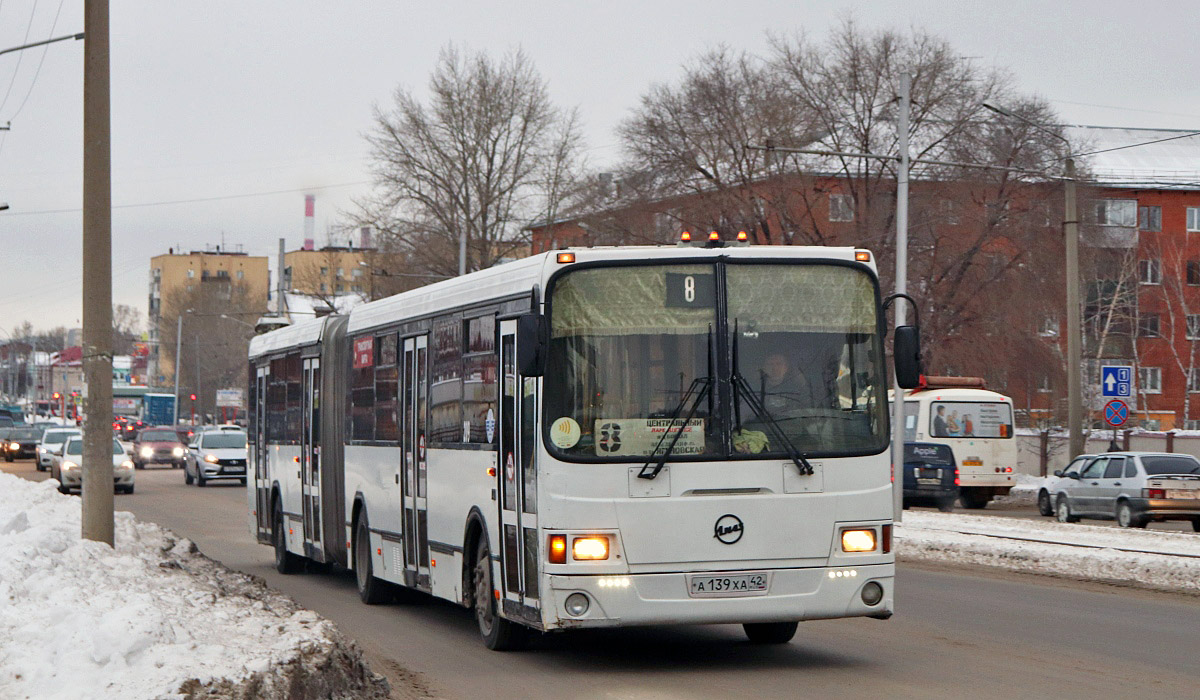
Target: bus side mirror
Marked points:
906	354
533	341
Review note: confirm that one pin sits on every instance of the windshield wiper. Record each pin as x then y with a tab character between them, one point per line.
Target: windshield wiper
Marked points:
700	387
741	386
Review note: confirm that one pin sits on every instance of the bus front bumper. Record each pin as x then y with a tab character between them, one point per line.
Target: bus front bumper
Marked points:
663	599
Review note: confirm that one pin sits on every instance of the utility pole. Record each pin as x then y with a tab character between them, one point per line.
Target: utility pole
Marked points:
901	288
97	492
178	347
1074	323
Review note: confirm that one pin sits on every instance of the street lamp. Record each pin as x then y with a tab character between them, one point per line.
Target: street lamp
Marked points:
1071	232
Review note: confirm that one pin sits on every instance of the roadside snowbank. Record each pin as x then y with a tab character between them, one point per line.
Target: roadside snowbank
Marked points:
1139	557
151	619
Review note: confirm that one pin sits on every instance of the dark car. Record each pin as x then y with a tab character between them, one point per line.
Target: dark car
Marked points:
21	442
159	446
930	475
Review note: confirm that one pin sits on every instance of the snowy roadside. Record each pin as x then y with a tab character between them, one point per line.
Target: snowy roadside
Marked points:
151	619
1145	558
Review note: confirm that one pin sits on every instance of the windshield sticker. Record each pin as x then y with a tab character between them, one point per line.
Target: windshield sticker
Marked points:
640	436
565	432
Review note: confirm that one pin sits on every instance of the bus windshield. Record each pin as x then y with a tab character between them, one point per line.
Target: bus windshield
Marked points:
633	346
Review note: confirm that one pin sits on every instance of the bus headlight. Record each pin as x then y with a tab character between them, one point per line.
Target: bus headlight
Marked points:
872	593
589	548
858	540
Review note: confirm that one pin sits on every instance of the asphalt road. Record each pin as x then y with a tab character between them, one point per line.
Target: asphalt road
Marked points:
957	633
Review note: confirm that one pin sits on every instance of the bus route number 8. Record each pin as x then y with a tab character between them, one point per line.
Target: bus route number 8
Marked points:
689	289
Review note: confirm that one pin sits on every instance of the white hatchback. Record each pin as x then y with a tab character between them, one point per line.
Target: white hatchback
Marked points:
68	468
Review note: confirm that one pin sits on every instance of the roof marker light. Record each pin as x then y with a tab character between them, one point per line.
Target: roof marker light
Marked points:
862	256
742	236
566	258
685	237
714	236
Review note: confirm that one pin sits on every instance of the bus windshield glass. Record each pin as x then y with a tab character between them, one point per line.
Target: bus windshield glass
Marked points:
807	349
635	350
974	419
626	346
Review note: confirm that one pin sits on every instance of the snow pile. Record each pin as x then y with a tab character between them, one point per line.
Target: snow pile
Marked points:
1140	557
151	619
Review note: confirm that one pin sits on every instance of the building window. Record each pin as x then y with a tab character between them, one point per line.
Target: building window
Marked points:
339	272
356	273
241	275
324	288
1191	424
324	271
841	207
1150	379
1148	326
191	273
1150	218
1115	212
1044	385
1193	218
1150	272
340	288
1193	272
1193	327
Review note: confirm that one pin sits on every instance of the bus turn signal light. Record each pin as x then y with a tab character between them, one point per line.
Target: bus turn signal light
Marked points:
591	548
558	549
566	258
858	540
862	256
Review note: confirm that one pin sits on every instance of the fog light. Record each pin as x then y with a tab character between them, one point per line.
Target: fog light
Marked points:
872	593
858	540
576	604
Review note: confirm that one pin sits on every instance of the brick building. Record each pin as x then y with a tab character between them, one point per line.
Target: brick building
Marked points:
1140	270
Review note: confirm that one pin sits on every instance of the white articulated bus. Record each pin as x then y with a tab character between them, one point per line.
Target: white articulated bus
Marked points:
594	437
976	424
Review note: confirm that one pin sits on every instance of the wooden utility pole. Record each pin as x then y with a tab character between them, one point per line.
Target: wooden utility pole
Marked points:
97	491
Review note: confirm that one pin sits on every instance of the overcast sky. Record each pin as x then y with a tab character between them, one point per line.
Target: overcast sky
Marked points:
230	101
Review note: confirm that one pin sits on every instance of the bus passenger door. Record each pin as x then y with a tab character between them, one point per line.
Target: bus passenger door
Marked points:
414	463
517	476
262	470
310	458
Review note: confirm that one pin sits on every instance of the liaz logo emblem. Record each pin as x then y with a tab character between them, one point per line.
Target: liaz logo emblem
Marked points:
728	529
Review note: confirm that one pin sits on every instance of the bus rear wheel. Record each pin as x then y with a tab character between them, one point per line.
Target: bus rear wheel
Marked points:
770	632
973	500
285	561
498	634
371	590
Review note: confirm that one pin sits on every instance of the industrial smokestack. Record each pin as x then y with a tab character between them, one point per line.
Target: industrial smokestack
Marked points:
310	203
365	237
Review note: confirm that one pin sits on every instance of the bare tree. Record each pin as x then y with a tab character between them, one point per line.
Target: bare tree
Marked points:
1167	261
217	327
127	328
488	154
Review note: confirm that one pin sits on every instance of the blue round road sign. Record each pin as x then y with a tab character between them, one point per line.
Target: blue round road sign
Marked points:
1116	412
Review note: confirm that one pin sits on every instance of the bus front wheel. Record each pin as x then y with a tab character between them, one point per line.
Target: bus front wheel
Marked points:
770	632
285	561
498	634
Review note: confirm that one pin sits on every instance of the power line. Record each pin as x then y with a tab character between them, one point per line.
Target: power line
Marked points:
196	200
1126	109
42	60
1135	145
20	56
